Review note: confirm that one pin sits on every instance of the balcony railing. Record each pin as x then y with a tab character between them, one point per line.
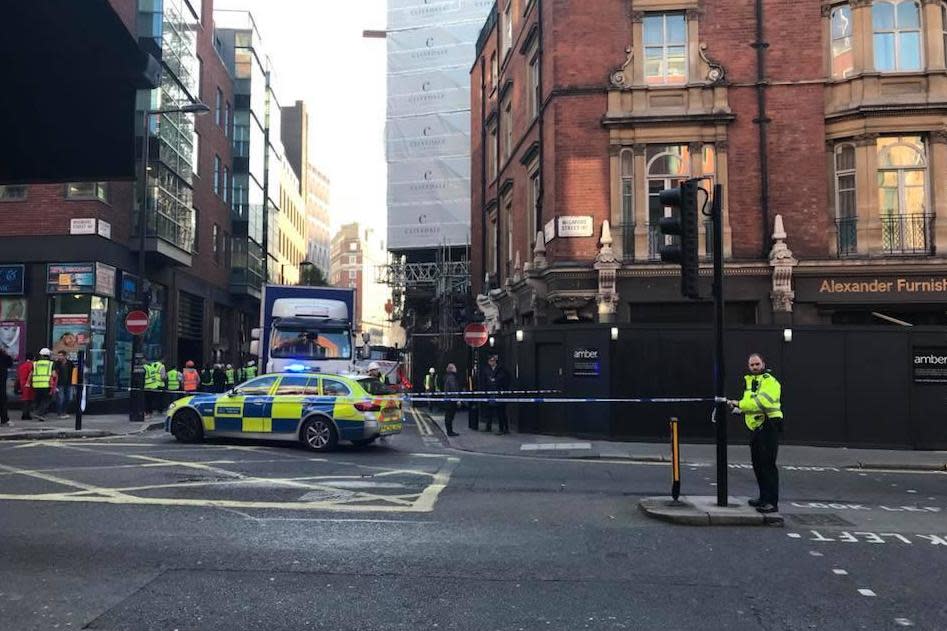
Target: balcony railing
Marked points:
847	235
655	241
906	234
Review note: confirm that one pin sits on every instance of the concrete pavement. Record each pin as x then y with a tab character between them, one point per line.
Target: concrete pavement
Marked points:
536	445
92	426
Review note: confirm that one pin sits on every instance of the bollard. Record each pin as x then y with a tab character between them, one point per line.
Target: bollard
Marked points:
675	461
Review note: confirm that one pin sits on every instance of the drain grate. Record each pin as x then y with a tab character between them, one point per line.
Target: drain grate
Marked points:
819	519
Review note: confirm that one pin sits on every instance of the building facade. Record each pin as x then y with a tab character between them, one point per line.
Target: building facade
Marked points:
318	219
357	252
70	249
826	138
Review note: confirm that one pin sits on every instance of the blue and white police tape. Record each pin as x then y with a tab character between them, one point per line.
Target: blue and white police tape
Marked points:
481	398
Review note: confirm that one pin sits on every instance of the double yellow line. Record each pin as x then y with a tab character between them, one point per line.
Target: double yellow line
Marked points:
424	425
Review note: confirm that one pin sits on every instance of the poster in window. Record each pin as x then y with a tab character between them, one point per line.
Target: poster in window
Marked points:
13	327
71	333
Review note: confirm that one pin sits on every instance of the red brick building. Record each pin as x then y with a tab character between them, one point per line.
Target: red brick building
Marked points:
830	115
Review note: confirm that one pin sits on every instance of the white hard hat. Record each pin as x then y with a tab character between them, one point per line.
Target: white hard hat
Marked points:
45	351
251	363
229	365
374	366
432	371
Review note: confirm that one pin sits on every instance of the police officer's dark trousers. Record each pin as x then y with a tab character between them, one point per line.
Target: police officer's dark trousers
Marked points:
764	447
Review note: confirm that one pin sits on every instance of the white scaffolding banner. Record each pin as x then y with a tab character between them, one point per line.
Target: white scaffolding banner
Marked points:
428	225
404	14
428	92
430	136
429	47
430	180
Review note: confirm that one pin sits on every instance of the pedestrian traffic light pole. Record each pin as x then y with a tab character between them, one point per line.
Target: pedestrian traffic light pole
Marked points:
687	255
720	409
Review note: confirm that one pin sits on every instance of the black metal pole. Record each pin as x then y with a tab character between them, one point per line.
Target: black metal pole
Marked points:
136	408
719	367
80	387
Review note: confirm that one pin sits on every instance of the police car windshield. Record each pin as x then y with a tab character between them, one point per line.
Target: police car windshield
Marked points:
299	344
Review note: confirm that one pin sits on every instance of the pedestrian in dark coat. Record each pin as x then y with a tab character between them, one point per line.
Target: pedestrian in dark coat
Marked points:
451	388
495	378
220	379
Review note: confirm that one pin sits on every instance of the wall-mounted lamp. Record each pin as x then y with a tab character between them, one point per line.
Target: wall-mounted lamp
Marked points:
519	335
614	333
787	335
492	341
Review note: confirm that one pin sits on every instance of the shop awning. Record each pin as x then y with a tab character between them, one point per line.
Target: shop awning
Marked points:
67	107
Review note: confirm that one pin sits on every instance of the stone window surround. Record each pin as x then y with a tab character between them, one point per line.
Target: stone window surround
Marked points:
868	222
692	137
697	68
932	33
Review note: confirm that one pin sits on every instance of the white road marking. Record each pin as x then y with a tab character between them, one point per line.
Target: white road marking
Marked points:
839	572
904	622
877	538
911	491
866	592
422	501
815	554
793	535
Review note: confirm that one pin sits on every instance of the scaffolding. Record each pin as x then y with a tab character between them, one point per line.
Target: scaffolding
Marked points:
437	286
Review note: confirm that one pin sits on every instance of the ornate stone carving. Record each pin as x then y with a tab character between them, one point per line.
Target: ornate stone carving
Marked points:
939	136
607	265
539	252
826	10
717	73
621	78
782	261
637	17
866	140
639	148
517	268
491	312
721	146
692	14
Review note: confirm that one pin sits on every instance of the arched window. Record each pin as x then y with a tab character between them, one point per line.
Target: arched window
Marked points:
897	35
843	57
903	194
667	167
845	209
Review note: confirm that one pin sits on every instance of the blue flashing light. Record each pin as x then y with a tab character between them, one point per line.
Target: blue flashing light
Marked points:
296	368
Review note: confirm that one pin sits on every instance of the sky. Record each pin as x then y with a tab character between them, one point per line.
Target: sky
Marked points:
320	57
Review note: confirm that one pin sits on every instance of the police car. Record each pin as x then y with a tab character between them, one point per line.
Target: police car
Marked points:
317	409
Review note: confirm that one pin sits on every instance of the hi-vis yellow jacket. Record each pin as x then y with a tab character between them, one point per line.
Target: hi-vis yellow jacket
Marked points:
760	399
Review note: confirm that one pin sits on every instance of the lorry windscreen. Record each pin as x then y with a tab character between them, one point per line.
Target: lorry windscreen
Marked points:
298	344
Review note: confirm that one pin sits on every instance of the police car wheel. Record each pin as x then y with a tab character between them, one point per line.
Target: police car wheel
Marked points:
186	426
318	433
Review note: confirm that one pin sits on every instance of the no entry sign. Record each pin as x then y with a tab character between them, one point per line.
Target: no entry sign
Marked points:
475	335
136	322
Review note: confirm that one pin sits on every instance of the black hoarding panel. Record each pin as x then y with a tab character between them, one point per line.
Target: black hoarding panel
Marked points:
878	392
812	375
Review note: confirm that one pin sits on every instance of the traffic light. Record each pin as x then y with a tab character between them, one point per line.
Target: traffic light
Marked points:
685	226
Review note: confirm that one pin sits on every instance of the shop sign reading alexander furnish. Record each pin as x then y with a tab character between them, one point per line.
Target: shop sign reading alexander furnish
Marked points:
576	226
872	289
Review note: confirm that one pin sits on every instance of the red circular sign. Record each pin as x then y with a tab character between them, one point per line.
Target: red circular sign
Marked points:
136	322
475	335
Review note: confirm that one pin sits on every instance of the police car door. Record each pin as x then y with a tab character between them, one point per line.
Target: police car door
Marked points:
245	408
289	400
